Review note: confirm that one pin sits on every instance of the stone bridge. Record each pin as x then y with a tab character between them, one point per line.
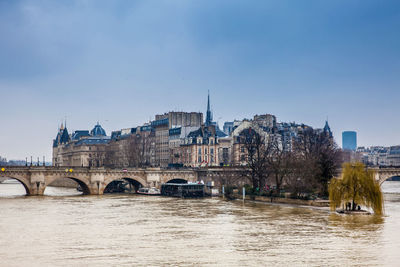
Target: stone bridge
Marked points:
93	181
382	174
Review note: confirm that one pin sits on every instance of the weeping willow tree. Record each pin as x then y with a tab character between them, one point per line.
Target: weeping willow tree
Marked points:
358	187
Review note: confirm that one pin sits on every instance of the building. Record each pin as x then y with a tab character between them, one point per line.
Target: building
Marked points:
131	147
283	135
265	121
349	140
177	137
379	155
393	156
200	148
228	127
162	126
238	149
81	148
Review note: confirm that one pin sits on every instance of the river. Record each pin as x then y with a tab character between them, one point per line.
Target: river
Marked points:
68	229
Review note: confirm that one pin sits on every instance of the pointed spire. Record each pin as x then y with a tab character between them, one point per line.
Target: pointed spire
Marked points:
327	129
208	101
208	114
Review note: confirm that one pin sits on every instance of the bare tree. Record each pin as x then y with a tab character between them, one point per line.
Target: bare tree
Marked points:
132	151
279	162
138	150
110	159
256	153
317	160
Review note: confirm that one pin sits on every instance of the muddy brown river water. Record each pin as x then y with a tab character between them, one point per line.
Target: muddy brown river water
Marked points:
68	229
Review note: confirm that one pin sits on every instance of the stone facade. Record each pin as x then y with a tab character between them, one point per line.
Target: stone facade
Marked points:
200	148
81	148
162	126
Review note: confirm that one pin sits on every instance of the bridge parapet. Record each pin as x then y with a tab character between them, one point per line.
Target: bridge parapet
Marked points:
92	180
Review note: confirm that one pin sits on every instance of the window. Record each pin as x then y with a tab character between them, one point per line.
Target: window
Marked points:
212	151
242	149
199	160
205	151
212	141
199	150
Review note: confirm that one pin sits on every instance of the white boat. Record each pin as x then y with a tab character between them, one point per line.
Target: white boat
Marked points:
149	191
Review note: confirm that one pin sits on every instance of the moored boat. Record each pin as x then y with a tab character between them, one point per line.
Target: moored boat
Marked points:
149	191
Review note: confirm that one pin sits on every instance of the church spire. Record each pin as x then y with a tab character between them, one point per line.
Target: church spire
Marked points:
208	114
327	129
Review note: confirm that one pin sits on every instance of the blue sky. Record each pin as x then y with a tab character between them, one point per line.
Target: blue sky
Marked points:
122	62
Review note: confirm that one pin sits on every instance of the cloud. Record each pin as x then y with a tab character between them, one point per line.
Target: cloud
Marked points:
125	60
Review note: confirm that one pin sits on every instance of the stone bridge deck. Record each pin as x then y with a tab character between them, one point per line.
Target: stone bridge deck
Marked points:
93	181
382	174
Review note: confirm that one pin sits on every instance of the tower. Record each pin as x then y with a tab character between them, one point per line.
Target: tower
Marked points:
349	140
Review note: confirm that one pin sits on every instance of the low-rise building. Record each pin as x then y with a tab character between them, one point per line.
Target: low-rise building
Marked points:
200	147
81	148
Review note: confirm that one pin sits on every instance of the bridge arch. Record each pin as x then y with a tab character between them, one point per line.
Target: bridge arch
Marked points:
84	185
137	182
384	178
24	183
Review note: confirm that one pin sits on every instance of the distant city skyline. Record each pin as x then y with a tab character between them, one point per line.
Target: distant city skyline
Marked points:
123	62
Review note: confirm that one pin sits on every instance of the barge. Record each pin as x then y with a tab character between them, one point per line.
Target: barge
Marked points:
182	190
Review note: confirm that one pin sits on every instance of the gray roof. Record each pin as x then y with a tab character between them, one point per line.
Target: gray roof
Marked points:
95	140
80	133
98	130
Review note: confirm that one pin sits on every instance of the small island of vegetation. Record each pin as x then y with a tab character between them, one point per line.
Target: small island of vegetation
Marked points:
356	187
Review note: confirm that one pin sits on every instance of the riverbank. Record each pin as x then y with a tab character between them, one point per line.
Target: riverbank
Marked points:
281	200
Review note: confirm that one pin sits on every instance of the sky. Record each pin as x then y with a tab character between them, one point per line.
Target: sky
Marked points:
122	62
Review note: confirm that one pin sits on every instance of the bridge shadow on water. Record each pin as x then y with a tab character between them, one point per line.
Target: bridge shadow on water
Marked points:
125	185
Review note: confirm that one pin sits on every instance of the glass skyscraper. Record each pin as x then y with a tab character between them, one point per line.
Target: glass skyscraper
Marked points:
349	140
